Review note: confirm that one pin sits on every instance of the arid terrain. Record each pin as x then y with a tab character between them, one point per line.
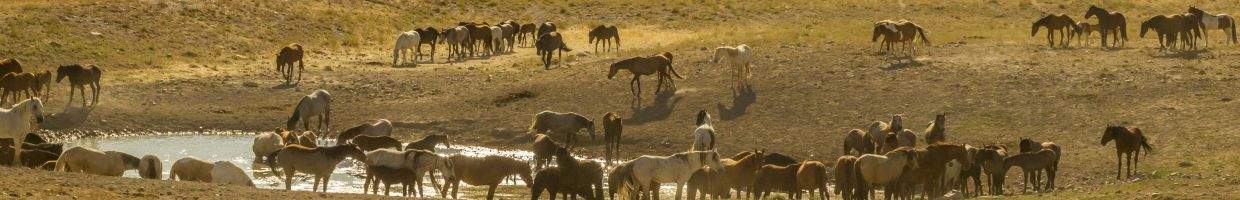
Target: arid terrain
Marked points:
208	65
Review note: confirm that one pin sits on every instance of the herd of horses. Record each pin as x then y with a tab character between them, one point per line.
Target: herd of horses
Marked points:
18	84
1176	32
470	39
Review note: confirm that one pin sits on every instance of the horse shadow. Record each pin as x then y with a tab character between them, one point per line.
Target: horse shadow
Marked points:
902	64
407	65
740	104
69	118
662	107
285	85
1190	55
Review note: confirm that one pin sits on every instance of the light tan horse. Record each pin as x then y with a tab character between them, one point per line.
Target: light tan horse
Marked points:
1055	22
902	31
106	163
740	58
550	122
150	167
812	176
319	161
267	143
489	171
883	169
191	169
224	172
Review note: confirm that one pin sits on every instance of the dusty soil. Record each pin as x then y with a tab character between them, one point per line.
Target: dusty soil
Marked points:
816	76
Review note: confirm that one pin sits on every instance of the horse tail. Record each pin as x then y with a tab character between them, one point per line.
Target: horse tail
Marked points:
98	73
1123	29
669	65
922	32
292	120
1233	30
1145	144
564	46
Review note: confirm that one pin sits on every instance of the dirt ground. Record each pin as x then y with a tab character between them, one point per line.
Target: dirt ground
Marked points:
816	76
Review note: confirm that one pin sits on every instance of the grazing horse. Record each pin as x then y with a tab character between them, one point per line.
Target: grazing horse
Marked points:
704	134
1171	28
79	76
289	55
428	142
316	104
489	171
1128	142
408	40
381	127
150	167
367	143
17	84
458	39
740	58
1082	31
872	169
1031	163
618	178
15	123
650	171
845	171
551	43
526	35
224	172
613	126
858	140
191	169
550	122
1222	22
1113	23
10	65
603	34
428	36
775	178
1060	22
936	131
812	176
90	161
640	66
544	150
318	161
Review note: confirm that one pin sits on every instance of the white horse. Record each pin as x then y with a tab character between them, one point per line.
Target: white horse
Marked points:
408	40
650	171
15	122
265	144
90	161
704	134
497	38
740	58
225	172
883	169
316	104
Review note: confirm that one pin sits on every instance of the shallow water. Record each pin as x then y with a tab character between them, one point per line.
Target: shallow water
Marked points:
235	147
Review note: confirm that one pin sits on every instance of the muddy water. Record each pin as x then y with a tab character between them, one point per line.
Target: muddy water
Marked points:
235	147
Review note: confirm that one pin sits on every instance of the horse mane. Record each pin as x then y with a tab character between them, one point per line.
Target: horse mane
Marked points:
703	118
130	161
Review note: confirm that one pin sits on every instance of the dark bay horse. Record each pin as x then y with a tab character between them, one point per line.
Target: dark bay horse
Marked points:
1113	23
1129	141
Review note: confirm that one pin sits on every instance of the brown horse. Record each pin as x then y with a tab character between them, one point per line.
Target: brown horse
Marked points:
544	28
387	176
79	76
429	36
936	132
858	140
489	171
525	33
288	56
42	85
544	150
10	65
586	174
1222	22
429	142
936	159
1060	22
775	178
1128	142
710	182
551	43
17	86
739	172
369	143
990	158
1033	162
845	179
1183	27
812	176
1113	23
613	126
318	161
603	34
903	31
640	66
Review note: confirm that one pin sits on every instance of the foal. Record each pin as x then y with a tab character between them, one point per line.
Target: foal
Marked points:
613	126
79	76
1128	142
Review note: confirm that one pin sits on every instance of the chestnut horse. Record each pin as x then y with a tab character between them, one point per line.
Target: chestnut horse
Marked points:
79	77
1060	22
640	66
288	56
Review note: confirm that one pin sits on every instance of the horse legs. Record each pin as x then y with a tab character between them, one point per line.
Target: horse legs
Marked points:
70	102
490	192
1129	165
288	177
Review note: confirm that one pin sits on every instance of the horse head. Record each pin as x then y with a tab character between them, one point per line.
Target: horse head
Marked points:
1094	10
703	118
589	124
1109	134
351	150
444	139
1151	23
34	107
615	67
1038	24
1194	10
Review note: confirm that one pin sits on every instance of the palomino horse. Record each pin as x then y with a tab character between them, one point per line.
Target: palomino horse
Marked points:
603	34
1128	142
489	171
739	58
812	176
1061	23
316	104
550	122
428	142
936	132
288	56
79	77
704	134
319	161
650	171
640	66
1222	22
105	163
550	43
1033	162
408	40
613	126
428	36
15	123
1113	23
1182	27
1082	31
874	169
859	141
381	127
